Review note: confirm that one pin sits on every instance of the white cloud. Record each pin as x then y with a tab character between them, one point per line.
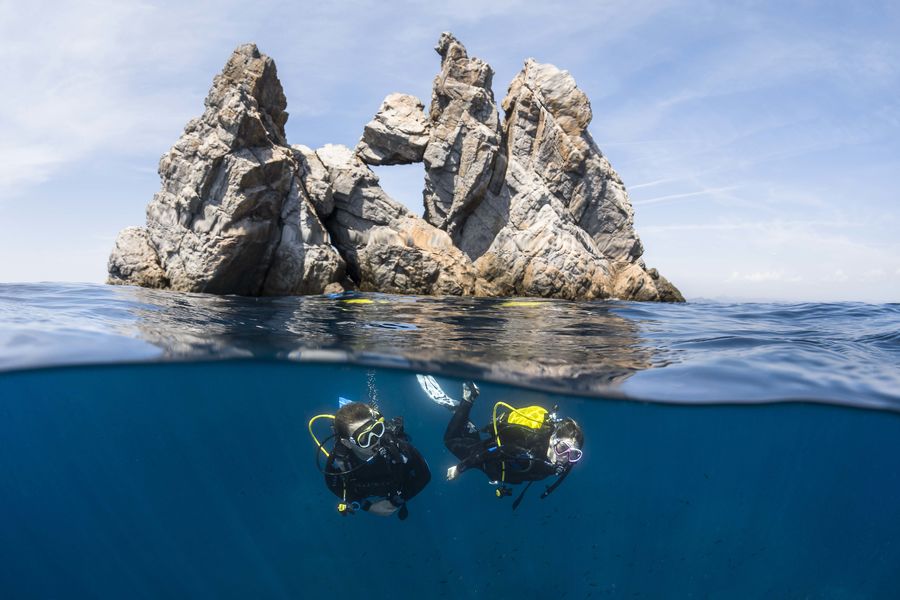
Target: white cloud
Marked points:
876	274
77	80
839	276
764	277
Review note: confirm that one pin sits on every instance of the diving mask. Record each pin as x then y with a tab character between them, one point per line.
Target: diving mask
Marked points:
563	448
369	434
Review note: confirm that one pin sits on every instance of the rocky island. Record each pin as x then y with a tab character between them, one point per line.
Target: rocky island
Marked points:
526	206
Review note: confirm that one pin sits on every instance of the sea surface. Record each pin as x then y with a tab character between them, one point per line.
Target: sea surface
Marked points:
154	444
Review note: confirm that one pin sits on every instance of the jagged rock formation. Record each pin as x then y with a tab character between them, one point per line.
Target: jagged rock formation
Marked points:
397	135
387	248
560	224
529	208
546	133
232	215
465	137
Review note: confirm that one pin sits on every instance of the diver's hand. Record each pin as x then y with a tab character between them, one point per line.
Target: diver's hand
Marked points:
452	472
382	508
470	391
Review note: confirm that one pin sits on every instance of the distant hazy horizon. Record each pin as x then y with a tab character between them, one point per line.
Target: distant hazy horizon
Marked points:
760	144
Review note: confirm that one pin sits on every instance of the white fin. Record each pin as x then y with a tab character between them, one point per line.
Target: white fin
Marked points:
435	392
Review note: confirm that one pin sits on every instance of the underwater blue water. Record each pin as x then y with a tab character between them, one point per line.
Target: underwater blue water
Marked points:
154	444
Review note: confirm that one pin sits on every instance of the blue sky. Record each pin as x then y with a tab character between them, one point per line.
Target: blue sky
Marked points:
759	141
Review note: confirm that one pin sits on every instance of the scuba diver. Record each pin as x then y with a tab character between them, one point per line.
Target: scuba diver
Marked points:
523	444
372	465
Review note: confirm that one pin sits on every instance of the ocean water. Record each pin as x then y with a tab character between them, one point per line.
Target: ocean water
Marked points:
154	444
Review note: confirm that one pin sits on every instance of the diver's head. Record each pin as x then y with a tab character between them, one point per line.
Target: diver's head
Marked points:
565	443
359	427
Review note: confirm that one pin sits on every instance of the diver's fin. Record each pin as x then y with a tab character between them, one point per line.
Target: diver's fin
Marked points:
435	392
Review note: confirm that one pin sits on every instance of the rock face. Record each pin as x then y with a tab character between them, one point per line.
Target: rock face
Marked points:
397	135
387	248
465	137
531	207
232	216
561	223
546	132
555	219
537	250
134	261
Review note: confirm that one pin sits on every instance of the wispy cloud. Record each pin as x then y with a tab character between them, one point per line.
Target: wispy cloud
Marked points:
655	183
76	80
797	226
670	197
119	75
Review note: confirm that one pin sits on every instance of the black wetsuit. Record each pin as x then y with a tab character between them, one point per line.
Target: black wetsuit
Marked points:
523	450
397	472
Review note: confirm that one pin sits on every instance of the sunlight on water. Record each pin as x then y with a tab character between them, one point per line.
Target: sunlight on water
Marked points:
699	352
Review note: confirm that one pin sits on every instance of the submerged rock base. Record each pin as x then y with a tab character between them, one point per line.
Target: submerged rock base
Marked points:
526	207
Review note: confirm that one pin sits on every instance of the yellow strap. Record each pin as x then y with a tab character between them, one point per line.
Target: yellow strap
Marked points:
497	437
315	439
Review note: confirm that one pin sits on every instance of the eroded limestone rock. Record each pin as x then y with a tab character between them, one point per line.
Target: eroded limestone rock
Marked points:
397	135
560	223
386	247
133	261
546	131
463	148
533	208
232	216
539	251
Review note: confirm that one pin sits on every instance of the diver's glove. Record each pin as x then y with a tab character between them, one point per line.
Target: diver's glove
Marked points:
470	391
452	473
